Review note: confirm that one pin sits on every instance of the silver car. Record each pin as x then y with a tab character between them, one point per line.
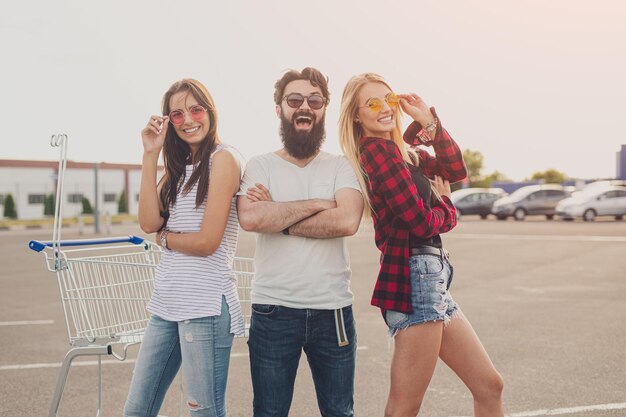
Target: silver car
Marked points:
608	200
475	201
532	199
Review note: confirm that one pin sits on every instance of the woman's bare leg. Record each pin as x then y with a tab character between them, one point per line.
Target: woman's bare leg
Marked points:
414	359
463	352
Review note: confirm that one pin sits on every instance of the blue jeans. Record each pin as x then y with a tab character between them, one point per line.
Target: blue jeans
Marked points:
202	346
277	337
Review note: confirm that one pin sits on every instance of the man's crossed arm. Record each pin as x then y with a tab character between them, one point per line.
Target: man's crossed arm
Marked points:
314	218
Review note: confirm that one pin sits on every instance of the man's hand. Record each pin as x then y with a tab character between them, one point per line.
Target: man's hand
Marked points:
259	193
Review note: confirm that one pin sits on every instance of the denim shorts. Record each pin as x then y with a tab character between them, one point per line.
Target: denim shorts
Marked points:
431	276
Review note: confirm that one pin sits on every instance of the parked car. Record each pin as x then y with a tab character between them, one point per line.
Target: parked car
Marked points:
603	184
475	201
532	199
607	200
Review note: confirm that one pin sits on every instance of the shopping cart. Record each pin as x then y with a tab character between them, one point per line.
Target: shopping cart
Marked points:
244	273
105	285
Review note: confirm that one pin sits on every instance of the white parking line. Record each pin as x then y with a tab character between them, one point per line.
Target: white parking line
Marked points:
25	322
574	238
568	410
58	364
104	362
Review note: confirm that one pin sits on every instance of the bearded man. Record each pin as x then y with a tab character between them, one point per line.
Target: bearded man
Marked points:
302	202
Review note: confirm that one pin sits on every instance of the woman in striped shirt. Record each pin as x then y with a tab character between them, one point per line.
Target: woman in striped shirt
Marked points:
194	305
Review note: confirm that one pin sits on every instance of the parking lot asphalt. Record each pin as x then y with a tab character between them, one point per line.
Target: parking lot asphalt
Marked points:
547	298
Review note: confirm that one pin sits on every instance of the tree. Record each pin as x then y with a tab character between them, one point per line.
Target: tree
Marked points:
486	182
87	206
122	207
49	205
9	207
474	163
550	176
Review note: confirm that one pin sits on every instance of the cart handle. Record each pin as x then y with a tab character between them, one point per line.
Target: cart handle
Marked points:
38	246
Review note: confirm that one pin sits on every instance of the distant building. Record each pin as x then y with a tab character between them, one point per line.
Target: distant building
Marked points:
29	182
620	172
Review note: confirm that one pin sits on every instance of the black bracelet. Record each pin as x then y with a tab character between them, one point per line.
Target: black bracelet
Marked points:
285	231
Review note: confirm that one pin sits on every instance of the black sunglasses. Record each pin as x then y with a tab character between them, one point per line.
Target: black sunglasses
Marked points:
295	100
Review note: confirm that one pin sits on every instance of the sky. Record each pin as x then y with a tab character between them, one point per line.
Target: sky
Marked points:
532	85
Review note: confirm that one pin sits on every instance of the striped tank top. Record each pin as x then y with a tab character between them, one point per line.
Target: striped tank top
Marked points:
188	287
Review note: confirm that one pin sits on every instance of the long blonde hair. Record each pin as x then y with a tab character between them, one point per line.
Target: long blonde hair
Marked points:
350	131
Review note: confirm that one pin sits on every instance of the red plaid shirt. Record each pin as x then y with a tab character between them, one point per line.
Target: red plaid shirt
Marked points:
399	210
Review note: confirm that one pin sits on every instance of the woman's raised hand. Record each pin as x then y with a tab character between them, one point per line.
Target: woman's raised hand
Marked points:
153	135
414	106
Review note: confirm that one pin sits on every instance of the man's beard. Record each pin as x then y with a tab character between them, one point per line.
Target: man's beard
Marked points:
302	144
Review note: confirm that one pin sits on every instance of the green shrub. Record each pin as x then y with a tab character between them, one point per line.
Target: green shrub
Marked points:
87	206
49	205
122	207
9	207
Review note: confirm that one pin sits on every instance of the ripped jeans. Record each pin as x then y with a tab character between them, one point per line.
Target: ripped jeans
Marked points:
202	346
431	276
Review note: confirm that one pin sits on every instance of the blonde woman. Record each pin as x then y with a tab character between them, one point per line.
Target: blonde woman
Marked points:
407	192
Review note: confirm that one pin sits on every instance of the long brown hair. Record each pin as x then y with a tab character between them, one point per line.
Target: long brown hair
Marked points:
177	153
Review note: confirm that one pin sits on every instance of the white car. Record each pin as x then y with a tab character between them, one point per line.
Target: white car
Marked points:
603	184
609	200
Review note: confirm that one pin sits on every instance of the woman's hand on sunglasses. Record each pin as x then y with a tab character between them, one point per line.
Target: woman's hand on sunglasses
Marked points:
414	106
153	135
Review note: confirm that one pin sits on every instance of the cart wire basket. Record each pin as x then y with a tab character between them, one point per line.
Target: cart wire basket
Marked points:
105	285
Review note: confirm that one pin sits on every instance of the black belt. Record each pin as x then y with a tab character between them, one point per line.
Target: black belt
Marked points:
429	250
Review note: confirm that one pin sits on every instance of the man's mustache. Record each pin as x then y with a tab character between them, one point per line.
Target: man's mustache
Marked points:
303	113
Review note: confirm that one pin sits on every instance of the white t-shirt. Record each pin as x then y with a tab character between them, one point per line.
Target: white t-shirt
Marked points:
294	271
